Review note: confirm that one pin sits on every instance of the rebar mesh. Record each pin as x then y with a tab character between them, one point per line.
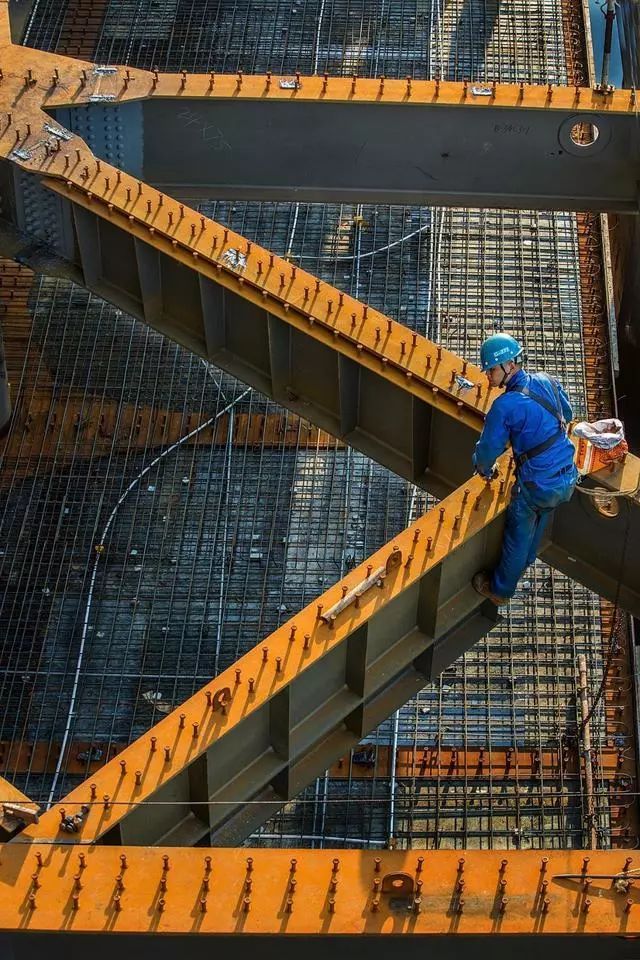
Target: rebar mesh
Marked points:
217	544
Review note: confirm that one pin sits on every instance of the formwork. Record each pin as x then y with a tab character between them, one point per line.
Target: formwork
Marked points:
159	518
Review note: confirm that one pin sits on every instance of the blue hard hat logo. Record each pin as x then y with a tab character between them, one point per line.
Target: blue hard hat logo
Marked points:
500	348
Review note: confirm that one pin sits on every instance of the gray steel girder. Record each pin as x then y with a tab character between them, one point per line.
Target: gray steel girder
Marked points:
324	710
363	152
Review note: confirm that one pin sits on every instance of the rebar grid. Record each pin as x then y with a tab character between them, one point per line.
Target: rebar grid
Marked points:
215	545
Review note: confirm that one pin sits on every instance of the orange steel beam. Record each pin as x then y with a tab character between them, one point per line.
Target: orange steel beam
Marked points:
118	890
57	429
501	763
269	684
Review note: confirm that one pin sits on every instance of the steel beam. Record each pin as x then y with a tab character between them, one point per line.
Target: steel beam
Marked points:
452	903
230	756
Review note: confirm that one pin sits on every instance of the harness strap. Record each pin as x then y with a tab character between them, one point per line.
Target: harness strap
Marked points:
555	412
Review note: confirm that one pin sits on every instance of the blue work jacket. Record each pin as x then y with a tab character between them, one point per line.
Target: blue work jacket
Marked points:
517	419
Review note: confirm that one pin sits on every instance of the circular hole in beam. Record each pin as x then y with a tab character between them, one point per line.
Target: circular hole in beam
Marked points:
584	134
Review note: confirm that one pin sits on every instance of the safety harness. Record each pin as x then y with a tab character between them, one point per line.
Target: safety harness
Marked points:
522	458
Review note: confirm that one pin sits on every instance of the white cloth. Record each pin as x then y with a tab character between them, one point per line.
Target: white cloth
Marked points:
604	434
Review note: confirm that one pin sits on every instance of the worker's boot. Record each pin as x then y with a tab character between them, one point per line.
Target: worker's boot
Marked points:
481	583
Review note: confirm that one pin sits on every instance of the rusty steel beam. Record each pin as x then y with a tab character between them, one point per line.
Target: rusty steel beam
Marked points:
462	902
233	753
65	427
502	763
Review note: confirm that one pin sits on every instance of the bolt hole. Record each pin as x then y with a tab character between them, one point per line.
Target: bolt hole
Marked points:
584	134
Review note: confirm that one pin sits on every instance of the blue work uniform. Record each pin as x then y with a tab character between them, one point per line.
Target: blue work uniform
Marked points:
545	477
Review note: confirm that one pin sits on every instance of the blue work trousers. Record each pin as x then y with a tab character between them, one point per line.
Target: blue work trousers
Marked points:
528	515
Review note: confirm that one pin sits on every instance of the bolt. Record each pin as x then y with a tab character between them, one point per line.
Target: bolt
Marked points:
376	883
461	865
543	865
123	767
106	801
32	901
265	654
627	864
336	865
278	664
196	727
77	885
429	544
585	864
35	882
627	906
249	864
546	903
332	905
377	863
441	516
167	754
503	904
82	861
585	906
251	684
247	885
161	904
119	882
246	904
503	865
460	906
203	905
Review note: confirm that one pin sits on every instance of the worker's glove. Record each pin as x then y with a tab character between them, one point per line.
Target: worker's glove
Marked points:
493	475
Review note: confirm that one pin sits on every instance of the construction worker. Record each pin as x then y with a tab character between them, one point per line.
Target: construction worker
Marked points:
532	416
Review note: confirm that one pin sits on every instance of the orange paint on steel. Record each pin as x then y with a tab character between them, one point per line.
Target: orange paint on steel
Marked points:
109	889
459	516
50	427
504	763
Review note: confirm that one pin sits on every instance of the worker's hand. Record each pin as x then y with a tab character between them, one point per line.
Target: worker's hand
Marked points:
493	475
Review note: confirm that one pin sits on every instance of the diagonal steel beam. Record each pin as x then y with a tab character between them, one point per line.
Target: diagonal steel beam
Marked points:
267	726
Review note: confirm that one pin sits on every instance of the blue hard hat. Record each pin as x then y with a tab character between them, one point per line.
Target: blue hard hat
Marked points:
500	348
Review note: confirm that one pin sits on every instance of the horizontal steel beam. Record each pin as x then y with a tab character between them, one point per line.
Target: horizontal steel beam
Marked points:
452	903
230	756
368	140
451	144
